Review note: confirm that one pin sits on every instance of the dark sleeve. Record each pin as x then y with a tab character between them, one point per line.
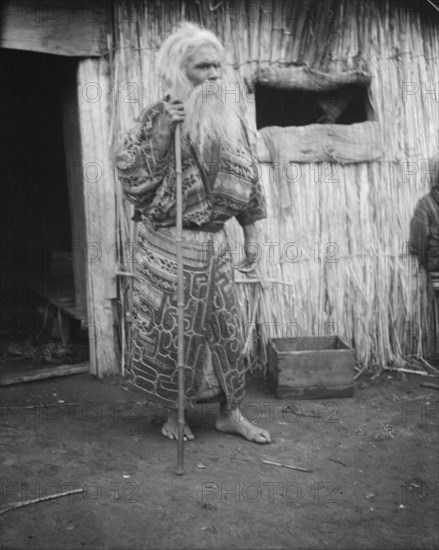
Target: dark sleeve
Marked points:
257	207
433	253
433	246
143	160
419	233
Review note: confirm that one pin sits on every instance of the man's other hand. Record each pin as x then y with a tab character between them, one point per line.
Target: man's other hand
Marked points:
246	265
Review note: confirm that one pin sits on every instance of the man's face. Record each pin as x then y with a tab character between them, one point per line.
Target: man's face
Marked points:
203	66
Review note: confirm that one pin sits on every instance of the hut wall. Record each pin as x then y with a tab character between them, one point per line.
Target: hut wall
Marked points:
335	261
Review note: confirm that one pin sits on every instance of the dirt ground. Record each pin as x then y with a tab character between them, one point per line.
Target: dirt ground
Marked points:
373	481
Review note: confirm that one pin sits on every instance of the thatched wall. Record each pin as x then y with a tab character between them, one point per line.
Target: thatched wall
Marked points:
373	296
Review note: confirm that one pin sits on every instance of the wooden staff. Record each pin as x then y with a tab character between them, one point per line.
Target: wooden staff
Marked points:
180	302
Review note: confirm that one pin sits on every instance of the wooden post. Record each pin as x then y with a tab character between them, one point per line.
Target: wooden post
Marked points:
100	215
72	149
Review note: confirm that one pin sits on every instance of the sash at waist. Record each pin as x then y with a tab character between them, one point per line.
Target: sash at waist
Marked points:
212	227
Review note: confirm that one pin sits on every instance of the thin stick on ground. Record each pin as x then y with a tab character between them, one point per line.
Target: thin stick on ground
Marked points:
428	385
286	466
410	371
426	363
40	499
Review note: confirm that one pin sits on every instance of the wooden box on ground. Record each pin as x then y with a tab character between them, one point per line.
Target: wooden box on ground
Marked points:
310	368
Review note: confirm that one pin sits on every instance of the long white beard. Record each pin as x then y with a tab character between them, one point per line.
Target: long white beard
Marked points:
211	118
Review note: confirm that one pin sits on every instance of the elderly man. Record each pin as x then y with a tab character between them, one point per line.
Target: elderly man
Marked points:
219	181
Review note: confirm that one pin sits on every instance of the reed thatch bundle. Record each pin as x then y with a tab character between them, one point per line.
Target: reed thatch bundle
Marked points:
374	296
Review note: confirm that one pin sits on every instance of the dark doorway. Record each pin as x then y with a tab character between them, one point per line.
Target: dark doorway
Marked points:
35	214
35	219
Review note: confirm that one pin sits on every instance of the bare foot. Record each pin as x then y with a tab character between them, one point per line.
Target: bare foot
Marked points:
234	422
170	428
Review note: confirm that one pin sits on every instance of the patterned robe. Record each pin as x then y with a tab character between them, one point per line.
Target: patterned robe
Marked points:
217	185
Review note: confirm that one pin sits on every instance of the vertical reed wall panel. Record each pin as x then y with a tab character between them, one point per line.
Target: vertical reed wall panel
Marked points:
373	295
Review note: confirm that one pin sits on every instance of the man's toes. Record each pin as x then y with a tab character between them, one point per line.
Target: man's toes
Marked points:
167	434
173	434
188	433
263	437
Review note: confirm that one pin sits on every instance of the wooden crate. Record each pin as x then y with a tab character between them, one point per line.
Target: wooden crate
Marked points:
310	368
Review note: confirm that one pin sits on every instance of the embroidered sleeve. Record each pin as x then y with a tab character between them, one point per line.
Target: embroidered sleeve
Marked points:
256	208
143	160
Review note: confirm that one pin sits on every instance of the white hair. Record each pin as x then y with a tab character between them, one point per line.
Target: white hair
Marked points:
175	52
209	116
